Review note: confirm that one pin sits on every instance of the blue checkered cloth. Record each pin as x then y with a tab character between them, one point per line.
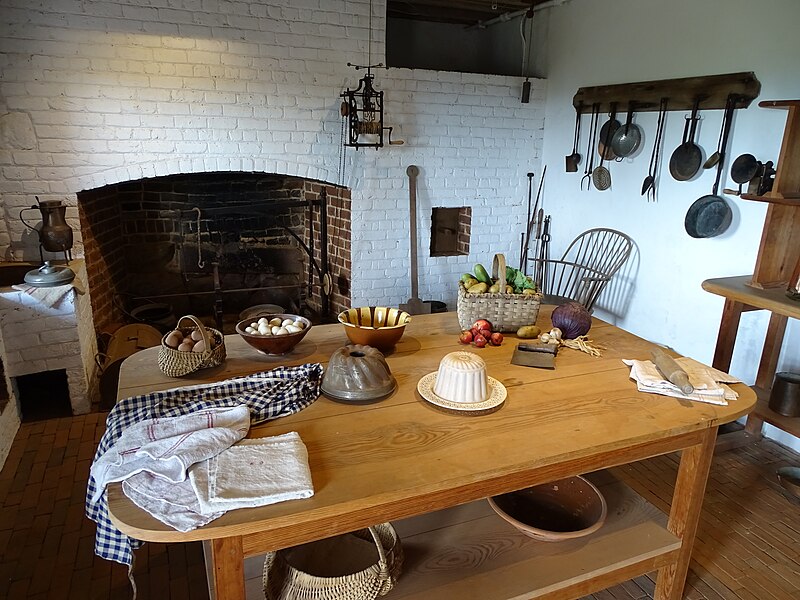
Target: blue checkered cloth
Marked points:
268	394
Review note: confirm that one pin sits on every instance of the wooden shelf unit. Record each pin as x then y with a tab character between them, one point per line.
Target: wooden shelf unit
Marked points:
787	199
779	250
741	297
778	257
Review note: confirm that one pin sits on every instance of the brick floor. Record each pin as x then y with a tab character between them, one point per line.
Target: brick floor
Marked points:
746	549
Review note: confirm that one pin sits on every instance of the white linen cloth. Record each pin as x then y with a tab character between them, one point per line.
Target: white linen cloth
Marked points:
51	297
186	471
254	472
172	503
706	381
168	446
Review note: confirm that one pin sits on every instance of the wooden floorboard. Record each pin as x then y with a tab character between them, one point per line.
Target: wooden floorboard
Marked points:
747	548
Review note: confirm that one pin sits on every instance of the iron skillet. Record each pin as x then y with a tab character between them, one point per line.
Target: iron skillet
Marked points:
711	215
687	158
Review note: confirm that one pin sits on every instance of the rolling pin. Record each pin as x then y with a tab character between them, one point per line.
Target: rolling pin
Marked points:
671	370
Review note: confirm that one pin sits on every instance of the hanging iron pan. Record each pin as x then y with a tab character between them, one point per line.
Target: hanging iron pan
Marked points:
687	158
711	215
604	148
743	169
626	139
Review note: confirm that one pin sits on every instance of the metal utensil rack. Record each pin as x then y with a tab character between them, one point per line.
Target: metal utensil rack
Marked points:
682	93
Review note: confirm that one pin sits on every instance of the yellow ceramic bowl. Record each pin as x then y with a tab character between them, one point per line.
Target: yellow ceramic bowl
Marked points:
377	326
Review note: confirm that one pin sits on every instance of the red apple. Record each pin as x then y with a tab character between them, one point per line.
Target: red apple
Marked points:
486	333
479	341
475	331
496	339
482	324
466	337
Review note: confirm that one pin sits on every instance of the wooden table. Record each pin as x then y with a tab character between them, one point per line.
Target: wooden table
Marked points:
427	471
741	297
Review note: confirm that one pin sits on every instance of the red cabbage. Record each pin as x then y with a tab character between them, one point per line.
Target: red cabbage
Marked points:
572	319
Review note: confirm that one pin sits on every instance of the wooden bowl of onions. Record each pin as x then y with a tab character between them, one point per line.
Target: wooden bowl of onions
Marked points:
274	334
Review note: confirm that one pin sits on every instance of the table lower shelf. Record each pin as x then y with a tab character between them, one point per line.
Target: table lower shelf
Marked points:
469	552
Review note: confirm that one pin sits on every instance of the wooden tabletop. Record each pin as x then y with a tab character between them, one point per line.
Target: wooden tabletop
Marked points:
402	456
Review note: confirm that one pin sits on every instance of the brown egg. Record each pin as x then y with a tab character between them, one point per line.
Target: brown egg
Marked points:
174	339
186	345
197	335
199	347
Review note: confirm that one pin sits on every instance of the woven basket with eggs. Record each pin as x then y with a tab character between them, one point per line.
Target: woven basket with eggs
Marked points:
189	348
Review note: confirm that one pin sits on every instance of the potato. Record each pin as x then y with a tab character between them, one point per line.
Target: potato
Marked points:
478	288
495	289
528	332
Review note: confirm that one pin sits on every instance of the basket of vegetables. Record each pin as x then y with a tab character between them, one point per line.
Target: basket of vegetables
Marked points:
508	298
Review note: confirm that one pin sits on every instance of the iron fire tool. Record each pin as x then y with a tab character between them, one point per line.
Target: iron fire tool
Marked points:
533	219
544	254
523	250
535	354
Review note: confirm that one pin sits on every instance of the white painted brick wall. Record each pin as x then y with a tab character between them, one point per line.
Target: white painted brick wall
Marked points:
35	337
107	92
178	87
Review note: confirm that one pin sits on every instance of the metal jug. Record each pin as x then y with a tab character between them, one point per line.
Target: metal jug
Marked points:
55	235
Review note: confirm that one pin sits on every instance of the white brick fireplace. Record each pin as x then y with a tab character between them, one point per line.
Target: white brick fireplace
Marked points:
101	93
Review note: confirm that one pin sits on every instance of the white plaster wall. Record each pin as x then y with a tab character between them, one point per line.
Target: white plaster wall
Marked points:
598	42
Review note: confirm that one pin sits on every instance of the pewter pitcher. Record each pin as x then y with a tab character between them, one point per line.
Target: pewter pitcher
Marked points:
55	235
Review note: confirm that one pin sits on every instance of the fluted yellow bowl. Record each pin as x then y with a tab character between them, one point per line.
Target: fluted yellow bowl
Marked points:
378	326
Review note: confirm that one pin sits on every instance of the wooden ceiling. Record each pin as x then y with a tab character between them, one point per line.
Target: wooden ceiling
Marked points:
464	12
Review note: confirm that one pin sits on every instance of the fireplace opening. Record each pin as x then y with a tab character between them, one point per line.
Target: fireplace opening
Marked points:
213	245
43	395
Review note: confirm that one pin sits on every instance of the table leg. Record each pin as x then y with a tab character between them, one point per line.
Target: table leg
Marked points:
684	514
227	562
773	340
726	338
